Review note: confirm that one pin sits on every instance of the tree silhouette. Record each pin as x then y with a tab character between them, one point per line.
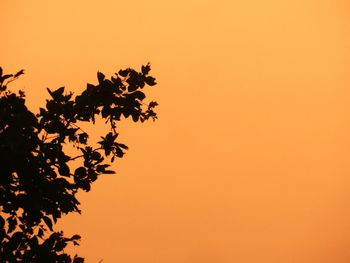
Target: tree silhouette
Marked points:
37	182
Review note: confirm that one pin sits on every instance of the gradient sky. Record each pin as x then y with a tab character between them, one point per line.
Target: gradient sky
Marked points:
249	161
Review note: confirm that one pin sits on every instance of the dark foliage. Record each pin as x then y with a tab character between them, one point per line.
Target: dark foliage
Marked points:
37	183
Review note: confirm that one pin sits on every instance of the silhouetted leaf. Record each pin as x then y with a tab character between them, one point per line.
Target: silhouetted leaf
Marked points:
132	87
21	93
123	146
101	167
100	77
60	245
75	237
135	116
137	95
48	222
150	81
40	232
12	222
85	185
64	170
19	73
106	111
57	95
80	172
16	239
123	73
78	260
96	155
119	152
109	172
153	104
146	69
34	242
83	138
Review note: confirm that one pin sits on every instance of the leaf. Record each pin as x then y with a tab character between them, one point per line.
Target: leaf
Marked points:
40	233
106	111
21	93
19	73
83	138
90	87
75	237
64	170
137	95
85	185
152	104
80	172
101	168
57	94
49	242
12	223
48	222
71	133
16	239
150	81
135	116
34	242
100	77
124	72
96	155
117	81
109	172
60	245
119	152
126	112
132	87
78	259
123	146
146	69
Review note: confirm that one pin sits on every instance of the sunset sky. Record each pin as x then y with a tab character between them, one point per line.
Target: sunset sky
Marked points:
249	161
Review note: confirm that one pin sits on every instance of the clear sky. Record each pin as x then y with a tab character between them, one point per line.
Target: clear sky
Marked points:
249	161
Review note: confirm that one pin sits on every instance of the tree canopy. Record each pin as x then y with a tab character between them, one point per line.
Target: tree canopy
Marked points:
37	182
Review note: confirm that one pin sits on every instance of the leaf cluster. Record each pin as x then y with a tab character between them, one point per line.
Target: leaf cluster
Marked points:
37	182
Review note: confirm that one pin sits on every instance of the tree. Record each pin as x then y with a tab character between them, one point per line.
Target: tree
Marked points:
37	182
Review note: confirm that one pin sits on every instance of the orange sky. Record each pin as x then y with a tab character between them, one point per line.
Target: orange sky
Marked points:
249	160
